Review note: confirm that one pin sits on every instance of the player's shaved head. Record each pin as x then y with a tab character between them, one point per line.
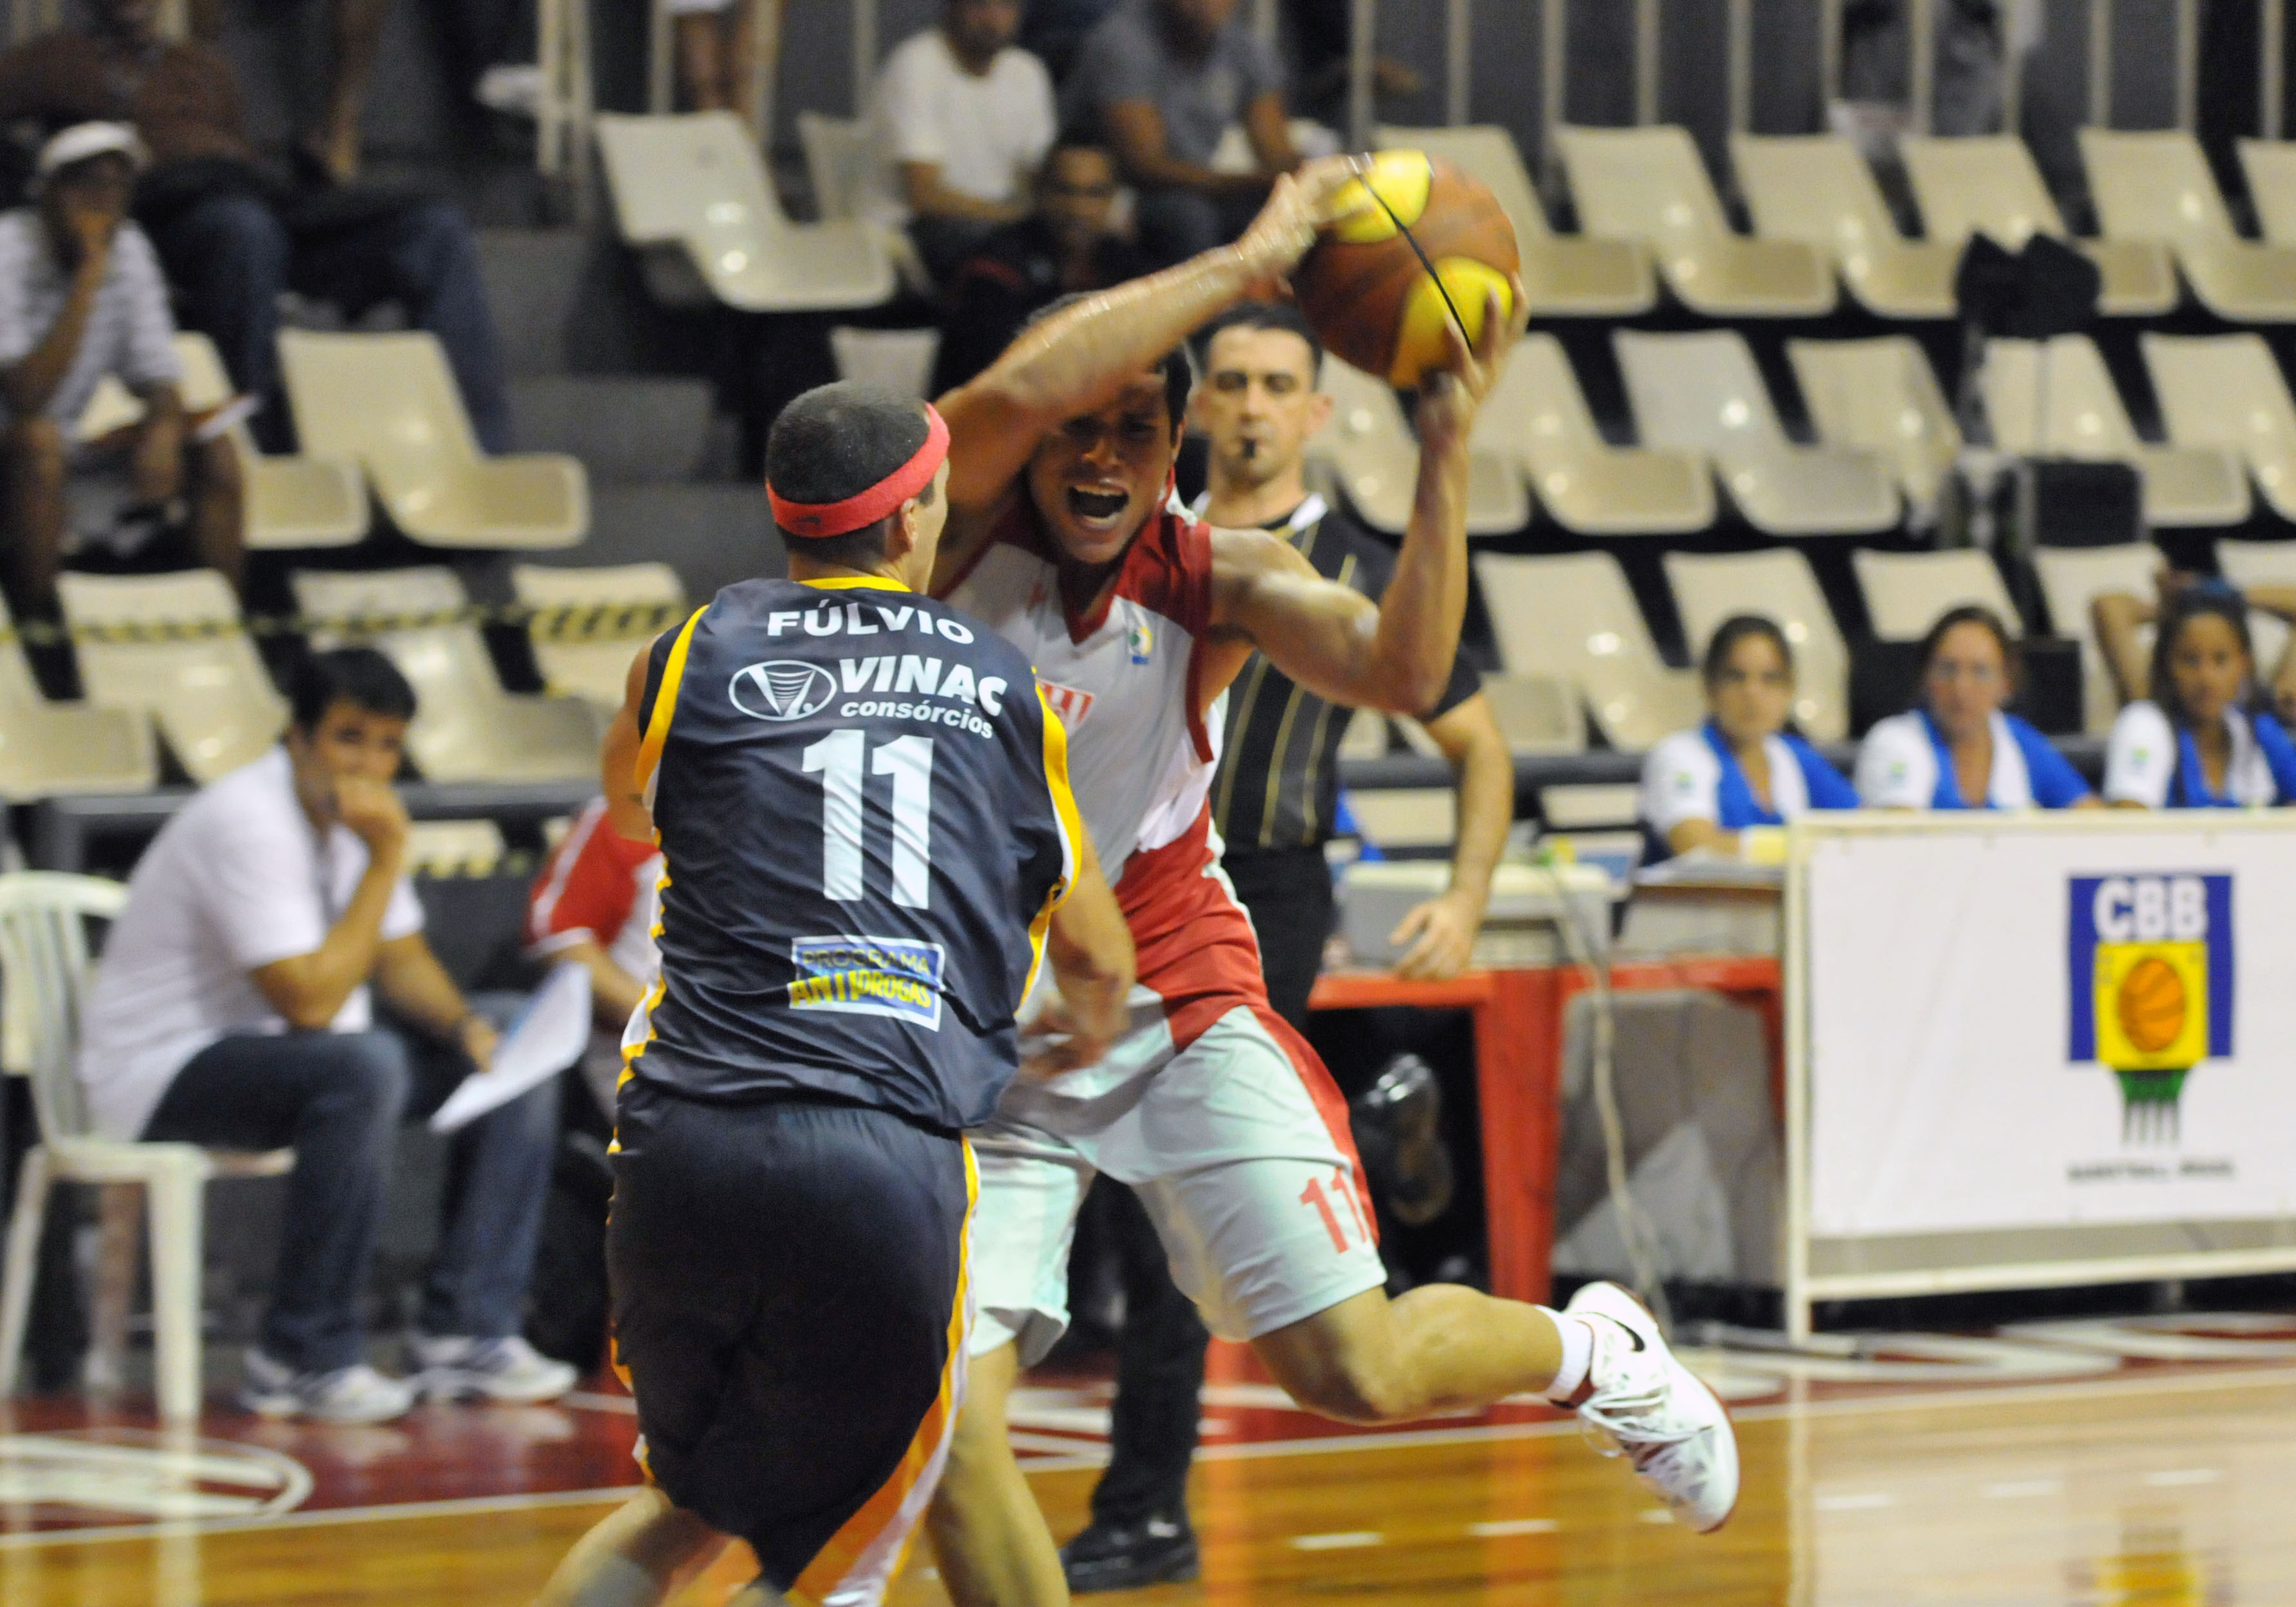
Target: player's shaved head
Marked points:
836	443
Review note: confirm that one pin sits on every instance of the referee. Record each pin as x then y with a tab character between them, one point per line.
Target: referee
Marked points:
1274	800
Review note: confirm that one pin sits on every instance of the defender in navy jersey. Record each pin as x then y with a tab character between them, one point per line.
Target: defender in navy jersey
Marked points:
862	802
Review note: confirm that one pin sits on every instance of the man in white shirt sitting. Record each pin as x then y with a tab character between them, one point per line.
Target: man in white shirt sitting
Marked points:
231	1008
963	120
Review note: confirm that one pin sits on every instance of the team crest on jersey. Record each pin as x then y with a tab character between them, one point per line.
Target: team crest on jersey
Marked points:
1069	702
1141	641
783	689
898	977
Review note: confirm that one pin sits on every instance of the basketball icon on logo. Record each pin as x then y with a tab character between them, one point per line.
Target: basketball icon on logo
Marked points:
2151	1004
2151	990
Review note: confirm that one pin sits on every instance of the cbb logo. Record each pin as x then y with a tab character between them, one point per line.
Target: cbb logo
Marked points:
2150	986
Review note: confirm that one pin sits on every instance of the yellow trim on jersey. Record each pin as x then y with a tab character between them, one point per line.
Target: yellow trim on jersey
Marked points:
665	699
862	582
1072	829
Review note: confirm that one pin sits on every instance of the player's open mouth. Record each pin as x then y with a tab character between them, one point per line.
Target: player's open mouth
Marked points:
1097	507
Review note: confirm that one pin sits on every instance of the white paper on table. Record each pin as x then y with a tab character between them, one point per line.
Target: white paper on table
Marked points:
549	1035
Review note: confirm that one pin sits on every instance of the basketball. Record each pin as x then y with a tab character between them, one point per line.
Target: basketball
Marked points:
2151	1004
1413	238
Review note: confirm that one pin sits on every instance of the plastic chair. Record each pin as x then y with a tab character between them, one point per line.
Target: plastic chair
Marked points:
389	403
466	728
1780	585
590	656
1906	593
454	847
1370	449
1649	185
2085	419
840	160
1817	189
44	954
1989	184
198	676
1536	714
1537	412
2157	186
1574	617
1563	275
1881	395
693	194
48	750
2225	391
2074	577
1702	392
901	359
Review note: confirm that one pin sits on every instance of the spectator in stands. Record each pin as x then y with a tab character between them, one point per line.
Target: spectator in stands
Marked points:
717	52
1959	744
1066	246
595	903
330	153
233	238
2124	620
2201	741
1159	82
963	119
81	298
1742	767
232	1008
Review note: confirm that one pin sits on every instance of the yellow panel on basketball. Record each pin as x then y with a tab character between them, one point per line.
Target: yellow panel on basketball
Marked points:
1402	179
1419	343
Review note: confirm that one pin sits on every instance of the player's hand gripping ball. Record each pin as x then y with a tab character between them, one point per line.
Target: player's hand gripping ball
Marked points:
1411	231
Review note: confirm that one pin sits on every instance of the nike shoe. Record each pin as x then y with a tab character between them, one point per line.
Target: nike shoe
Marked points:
452	1367
352	1393
1161	1550
1655	1412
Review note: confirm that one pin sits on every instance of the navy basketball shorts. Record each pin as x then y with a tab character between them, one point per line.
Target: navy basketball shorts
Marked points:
791	1308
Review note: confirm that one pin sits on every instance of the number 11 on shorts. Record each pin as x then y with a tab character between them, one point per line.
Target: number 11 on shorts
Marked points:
1315	1195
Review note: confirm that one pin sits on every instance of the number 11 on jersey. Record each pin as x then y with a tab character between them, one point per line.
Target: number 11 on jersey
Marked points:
908	760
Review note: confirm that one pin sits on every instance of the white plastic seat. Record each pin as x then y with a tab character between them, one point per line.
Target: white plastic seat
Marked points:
2074	577
1881	395
2156	185
48	750
899	360
2085	419
454	847
466	728
1817	189
2226	391
1537	714
1370	449
693	194
203	681
2247	564
1536	413
1702	392
1649	185
840	160
1906	593
589	656
1989	184
1779	586
44	958
387	402
1563	275
1574	617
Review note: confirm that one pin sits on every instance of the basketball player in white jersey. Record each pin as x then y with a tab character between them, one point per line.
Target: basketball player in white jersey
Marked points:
1061	536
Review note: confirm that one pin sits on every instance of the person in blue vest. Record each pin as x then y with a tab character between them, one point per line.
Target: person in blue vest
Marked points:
2204	739
1958	750
1742	767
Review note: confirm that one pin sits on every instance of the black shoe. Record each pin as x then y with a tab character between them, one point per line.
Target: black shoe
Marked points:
1111	1556
1399	1128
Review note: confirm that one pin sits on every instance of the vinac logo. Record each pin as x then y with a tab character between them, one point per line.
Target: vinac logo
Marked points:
783	689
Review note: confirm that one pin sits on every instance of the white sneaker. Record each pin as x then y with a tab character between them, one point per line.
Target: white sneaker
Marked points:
353	1394
1657	1413
452	1367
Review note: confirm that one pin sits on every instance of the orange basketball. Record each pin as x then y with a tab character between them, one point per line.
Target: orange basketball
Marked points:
2151	1004
1371	296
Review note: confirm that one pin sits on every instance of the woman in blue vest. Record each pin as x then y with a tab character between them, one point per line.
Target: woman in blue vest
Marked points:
2203	740
1742	767
1958	749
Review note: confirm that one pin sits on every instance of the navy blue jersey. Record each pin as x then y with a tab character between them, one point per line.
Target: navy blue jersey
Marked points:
862	807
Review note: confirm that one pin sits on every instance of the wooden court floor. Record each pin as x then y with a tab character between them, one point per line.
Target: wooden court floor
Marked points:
2169	1489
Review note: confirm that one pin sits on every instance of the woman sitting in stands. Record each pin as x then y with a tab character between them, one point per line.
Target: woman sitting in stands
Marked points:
1742	767
2203	740
1958	750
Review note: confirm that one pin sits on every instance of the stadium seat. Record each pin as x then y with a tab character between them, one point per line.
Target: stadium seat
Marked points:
1649	185
1703	393
1906	593
2183	485
1817	189
1563	275
1537	412
2156	185
1989	184
454	847
48	750
1881	395
2071	580
1370	449
2226	391
692	193
841	160
589	657
201	682
1574	617
1537	714
899	360
1779	584
467	728
389	403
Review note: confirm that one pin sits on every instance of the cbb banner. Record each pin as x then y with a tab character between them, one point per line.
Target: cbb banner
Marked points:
2052	1022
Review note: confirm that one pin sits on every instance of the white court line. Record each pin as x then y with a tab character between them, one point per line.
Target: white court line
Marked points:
1863	1501
1513	1526
1654	1514
588	1400
320	1518
1350	1541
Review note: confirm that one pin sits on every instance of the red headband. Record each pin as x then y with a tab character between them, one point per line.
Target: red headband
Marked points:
863	508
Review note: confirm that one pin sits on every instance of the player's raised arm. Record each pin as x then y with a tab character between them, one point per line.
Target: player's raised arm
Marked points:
1396	654
1090	948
